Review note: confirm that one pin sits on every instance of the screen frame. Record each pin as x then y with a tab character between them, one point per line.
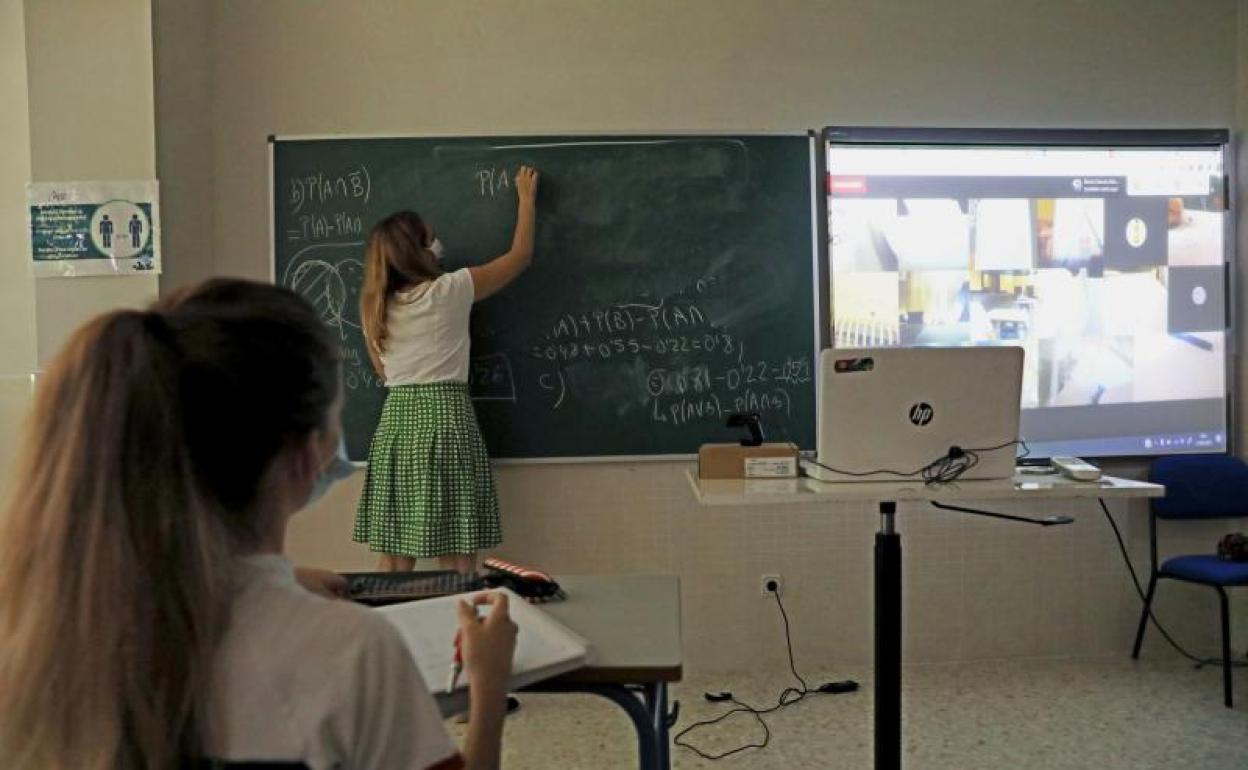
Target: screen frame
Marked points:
1194	138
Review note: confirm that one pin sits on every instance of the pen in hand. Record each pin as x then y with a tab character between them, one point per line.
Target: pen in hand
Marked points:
457	661
457	665
490	643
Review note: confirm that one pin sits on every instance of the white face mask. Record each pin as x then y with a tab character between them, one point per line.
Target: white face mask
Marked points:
436	248
339	468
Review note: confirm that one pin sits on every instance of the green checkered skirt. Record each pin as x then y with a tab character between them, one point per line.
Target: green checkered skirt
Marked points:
429	490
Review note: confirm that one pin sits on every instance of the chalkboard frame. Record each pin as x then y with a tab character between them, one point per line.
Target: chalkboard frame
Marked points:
820	268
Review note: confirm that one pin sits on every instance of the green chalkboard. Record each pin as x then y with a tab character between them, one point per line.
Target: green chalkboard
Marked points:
673	280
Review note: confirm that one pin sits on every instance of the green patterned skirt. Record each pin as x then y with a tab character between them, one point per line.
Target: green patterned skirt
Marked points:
429	490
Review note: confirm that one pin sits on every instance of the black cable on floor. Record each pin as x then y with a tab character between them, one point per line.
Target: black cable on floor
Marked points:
788	697
1139	590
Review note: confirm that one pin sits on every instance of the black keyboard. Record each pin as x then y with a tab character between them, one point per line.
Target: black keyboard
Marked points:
377	588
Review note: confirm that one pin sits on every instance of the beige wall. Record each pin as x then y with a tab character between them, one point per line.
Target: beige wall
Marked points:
76	84
17	305
184	155
89	70
976	589
286	67
17	315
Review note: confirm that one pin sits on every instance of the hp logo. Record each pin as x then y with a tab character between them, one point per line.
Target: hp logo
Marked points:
921	413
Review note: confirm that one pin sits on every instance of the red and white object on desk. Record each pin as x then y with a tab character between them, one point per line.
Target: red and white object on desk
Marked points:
533	585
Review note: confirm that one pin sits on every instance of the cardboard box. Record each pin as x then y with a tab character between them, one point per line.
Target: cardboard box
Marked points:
733	461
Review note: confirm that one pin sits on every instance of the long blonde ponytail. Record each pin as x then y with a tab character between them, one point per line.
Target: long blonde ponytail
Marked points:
140	475
110	595
396	257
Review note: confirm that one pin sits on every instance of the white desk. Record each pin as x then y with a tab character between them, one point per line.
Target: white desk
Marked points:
632	624
807	490
887	494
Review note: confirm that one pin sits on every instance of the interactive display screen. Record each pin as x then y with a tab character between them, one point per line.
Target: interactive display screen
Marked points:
1106	261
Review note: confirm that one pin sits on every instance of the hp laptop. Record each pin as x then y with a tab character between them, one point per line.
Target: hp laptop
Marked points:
901	409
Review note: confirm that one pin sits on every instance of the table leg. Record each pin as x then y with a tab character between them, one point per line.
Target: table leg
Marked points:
656	704
645	719
887	642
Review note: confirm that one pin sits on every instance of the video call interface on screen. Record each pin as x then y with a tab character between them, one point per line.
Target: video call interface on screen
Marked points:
1105	264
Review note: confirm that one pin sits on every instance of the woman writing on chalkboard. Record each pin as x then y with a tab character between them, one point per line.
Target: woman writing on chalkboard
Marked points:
149	617
429	490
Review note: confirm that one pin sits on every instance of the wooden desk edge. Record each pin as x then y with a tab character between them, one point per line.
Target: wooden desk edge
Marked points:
620	675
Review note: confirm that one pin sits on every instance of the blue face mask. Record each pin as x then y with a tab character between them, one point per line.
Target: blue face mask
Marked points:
339	468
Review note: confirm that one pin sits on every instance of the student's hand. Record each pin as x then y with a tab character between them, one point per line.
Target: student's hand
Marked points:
488	644
526	183
331	585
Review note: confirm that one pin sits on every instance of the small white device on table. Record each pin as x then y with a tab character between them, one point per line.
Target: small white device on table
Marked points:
1075	468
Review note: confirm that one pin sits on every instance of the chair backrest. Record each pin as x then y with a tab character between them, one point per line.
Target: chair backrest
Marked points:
1200	487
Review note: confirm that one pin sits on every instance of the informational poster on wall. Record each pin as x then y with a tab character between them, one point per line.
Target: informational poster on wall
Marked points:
94	228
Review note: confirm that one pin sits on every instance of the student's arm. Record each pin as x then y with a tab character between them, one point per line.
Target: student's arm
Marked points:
331	585
500	271
389	720
488	648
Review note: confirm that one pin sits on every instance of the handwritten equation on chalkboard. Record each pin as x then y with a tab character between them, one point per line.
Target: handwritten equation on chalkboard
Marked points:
680	363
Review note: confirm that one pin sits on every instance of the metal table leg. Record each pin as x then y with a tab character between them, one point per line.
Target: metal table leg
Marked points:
656	704
648	714
887	642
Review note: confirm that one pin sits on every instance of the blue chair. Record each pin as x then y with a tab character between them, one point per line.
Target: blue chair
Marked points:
1198	487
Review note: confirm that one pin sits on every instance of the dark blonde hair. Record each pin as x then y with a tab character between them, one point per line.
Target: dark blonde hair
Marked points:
397	257
140	474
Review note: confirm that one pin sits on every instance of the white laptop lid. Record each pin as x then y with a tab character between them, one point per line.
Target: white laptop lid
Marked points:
900	409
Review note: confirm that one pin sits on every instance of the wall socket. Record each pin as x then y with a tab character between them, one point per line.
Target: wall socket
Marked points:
767	580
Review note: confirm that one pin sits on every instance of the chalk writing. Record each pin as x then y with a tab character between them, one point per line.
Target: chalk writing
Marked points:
320	227
690	368
696	379
492	180
630	318
700	391
686	410
331	286
615	347
554	382
490	378
357	374
320	188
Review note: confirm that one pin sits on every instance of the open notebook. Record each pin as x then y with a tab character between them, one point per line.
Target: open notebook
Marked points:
544	646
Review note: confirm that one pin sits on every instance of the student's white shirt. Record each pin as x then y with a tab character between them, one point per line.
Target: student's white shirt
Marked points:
329	683
427	331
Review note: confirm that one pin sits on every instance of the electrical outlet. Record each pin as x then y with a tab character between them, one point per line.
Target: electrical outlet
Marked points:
767	580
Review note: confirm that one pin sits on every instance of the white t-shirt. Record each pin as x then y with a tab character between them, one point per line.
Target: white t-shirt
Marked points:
427	331
299	677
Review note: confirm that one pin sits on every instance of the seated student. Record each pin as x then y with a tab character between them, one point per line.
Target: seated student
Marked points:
149	615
